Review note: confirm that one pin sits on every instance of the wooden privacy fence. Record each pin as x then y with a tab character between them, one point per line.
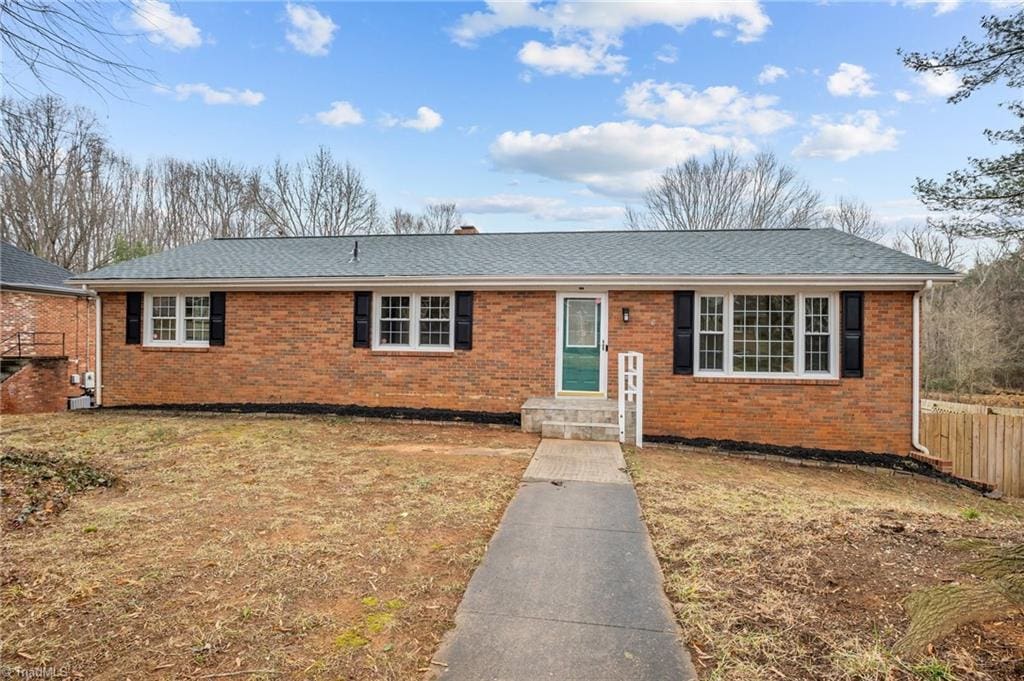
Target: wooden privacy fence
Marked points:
986	447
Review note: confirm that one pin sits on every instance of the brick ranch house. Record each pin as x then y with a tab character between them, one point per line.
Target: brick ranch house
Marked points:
47	333
800	338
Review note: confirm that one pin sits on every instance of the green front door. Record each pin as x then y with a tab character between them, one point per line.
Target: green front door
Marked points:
581	344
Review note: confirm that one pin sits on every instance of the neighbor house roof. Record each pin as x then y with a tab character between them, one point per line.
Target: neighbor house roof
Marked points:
20	270
567	256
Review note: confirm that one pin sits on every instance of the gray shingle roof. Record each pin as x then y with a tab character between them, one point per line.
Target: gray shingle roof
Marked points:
19	269
710	253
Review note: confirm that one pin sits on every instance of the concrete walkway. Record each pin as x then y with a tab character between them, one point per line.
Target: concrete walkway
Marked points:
569	587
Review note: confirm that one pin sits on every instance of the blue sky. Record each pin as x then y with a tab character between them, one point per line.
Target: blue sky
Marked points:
552	116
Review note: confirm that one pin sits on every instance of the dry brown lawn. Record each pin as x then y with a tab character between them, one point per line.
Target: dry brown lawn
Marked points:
244	547
784	572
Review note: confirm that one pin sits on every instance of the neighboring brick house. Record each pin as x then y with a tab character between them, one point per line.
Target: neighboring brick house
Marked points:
789	337
47	333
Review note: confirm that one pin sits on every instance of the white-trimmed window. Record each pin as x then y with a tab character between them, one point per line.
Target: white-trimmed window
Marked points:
413	321
817	334
711	347
177	319
770	335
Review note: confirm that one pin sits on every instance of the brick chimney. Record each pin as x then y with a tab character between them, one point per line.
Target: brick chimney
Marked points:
467	229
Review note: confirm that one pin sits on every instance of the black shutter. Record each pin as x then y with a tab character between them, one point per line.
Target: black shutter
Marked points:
463	320
218	305
682	336
853	334
361	319
133	318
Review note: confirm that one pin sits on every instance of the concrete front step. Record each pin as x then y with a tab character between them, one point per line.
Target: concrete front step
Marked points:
568	430
576	411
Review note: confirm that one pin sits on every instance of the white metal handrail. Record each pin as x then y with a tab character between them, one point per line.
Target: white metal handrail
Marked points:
631	389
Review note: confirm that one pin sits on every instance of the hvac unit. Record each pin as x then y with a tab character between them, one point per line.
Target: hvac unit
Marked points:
83	402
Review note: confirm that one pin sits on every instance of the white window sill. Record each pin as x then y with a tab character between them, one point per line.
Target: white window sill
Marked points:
792	379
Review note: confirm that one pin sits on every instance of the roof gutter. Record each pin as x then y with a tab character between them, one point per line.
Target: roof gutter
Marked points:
915	429
75	289
616	282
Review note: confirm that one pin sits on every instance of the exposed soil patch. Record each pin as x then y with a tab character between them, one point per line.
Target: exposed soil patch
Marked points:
273	548
778	571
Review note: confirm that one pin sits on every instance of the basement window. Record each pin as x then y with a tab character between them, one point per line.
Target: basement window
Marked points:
177	319
785	334
413	321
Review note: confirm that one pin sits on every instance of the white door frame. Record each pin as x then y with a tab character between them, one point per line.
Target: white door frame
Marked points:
559	332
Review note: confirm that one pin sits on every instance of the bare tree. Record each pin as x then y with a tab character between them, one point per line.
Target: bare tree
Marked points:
318	196
939	246
441	218
726	192
402	222
77	39
437	218
55	197
961	342
854	217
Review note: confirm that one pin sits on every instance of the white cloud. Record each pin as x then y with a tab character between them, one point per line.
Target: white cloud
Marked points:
771	73
311	32
538	207
668	54
585	32
723	108
902	95
941	6
618	159
163	27
853	135
850	80
426	119
340	114
608	19
938	84
209	95
575	60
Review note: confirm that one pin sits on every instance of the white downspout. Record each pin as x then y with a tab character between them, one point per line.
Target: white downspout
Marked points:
99	347
915	437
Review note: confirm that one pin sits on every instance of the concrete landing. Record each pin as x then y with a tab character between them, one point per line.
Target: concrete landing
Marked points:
569	587
578	461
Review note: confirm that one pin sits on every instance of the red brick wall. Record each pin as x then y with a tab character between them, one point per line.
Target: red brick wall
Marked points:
71	315
297	347
871	413
38	387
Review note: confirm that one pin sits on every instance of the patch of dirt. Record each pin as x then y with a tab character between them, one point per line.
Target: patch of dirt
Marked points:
36	487
779	571
312	548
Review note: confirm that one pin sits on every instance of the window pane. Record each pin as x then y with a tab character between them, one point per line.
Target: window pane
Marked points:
712	351
435	320
711	348
197	329
165	320
581	322
817	341
394	320
197	318
763	331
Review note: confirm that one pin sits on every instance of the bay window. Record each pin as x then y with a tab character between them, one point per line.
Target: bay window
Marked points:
774	335
413	321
